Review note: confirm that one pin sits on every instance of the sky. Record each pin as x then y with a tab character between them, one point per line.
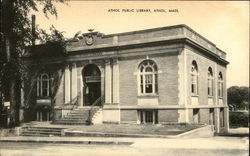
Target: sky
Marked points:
225	23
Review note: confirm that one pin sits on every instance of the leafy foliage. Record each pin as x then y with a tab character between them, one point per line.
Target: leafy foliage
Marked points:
16	34
239	119
18	26
238	96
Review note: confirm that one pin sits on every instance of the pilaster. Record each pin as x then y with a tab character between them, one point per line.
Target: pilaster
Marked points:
74	82
216	84
217	119
226	119
108	83
80	85
115	81
67	85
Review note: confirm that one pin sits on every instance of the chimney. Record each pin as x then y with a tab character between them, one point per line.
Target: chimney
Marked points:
33	20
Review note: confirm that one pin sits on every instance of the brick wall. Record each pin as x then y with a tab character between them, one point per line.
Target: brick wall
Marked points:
165	116
204	116
128	81
167	78
128	116
190	116
203	63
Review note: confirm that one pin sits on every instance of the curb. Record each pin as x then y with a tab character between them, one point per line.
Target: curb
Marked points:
100	134
72	142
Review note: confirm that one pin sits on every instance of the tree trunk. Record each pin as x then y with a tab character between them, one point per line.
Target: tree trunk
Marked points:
10	55
13	104
12	89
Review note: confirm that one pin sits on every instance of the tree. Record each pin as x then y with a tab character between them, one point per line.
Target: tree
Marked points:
16	35
238	97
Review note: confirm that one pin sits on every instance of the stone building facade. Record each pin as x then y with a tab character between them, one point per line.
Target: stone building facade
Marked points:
157	76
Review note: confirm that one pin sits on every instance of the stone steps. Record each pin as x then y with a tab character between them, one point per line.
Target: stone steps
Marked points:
79	116
75	117
62	122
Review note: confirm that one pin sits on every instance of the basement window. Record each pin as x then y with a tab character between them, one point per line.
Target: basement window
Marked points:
148	116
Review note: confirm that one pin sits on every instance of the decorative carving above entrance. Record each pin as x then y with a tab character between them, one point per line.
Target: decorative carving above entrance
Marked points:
89	40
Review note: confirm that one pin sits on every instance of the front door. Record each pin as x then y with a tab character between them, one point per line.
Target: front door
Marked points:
93	92
92	84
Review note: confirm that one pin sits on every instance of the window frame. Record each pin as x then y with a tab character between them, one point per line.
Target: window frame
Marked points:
194	79
147	78
210	82
220	85
43	84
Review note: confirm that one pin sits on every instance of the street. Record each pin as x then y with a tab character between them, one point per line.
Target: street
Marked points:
216	146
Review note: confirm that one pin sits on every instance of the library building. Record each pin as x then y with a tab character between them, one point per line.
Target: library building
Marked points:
166	75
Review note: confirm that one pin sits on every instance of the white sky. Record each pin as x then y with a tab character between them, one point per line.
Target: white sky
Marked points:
224	23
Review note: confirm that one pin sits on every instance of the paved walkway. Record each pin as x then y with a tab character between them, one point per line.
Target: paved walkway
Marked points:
218	142
84	140
186	143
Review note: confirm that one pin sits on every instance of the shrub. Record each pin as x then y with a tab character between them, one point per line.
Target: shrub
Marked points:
238	119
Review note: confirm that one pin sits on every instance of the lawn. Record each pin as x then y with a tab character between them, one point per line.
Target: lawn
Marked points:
136	129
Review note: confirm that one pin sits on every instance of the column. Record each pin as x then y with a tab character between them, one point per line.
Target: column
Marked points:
115	81
108	82
102	81
144	117
41	116
67	85
153	117
73	82
80	86
37	116
48	116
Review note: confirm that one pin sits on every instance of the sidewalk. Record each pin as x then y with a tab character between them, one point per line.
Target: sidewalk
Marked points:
174	143
218	142
70	140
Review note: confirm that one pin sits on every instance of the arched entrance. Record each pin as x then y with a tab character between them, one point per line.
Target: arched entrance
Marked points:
92	84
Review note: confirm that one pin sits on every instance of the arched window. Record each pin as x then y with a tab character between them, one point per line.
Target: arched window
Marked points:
148	77
220	85
194	78
210	82
43	85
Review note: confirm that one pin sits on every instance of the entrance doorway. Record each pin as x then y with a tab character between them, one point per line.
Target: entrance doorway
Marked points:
92	84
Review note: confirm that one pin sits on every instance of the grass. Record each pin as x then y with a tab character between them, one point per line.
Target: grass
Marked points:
137	129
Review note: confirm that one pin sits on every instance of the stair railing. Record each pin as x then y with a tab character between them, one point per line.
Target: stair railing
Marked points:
74	102
33	83
98	101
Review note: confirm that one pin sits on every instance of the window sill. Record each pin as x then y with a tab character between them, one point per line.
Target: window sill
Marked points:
43	97
147	95
210	97
220	97
194	95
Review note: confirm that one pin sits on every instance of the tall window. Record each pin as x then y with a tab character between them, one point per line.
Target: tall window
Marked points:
194	78
220	85
148	77
43	85
210	82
